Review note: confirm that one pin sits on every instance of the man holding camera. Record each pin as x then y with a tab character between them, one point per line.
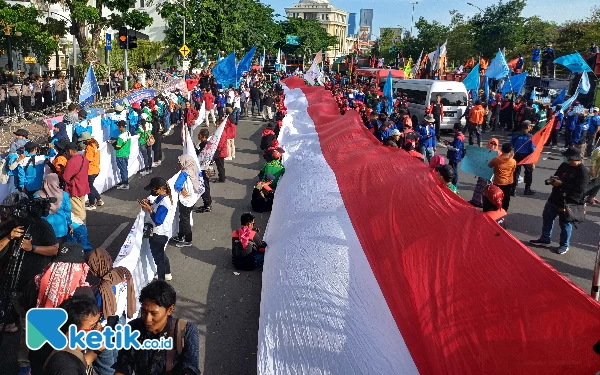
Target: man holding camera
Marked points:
568	188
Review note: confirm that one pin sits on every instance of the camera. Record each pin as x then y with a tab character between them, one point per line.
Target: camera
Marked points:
20	206
550	180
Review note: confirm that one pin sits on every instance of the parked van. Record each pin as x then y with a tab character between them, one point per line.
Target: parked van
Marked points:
421	92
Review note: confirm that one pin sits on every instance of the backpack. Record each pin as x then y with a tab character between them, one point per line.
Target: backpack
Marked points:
76	353
177	332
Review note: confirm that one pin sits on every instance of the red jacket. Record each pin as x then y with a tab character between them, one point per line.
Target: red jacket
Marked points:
191	83
76	176
222	147
209	100
191	115
230	129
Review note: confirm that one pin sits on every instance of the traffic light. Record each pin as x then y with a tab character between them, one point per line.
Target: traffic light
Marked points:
123	38
132	42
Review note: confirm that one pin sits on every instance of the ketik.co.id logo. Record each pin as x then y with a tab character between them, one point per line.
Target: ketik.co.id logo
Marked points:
43	326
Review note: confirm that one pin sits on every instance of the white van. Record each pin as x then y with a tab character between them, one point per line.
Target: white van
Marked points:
421	92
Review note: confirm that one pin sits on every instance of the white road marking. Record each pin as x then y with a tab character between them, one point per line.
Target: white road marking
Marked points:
114	235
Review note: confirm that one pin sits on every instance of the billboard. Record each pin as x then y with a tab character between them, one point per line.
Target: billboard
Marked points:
395	31
366	18
351	24
364	34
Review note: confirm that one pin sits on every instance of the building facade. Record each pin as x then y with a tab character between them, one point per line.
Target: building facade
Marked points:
366	20
351	24
334	21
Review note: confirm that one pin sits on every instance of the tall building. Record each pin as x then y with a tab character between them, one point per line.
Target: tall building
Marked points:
351	24
334	21
366	20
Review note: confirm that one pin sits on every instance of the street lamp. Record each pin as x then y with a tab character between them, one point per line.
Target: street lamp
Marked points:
413	17
473	5
8	28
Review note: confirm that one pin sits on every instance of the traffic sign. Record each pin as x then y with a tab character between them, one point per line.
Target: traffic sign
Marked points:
185	64
184	50
108	44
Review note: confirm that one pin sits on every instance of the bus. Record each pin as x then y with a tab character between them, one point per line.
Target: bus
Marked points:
381	75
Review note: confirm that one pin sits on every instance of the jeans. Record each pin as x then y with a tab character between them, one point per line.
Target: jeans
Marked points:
167	122
477	132
548	216
258	107
454	165
427	153
93	196
146	152
157	247
122	165
535	68
13	185
236	115
185	227
528	172
206	198
157	148
103	363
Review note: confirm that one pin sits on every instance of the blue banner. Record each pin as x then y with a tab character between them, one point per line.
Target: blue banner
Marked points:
574	62
89	87
135	97
498	67
560	98
225	71
471	81
476	161
514	84
245	62
292	40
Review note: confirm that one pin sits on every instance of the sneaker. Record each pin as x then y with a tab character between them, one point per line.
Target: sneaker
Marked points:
177	239
203	209
529	192
91	208
144	173
183	244
123	187
229	158
539	242
24	370
168	277
99	203
562	250
149	171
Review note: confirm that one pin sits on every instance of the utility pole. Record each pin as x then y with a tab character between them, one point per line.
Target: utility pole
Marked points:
126	75
412	17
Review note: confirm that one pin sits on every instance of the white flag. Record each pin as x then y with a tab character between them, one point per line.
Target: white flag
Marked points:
319	57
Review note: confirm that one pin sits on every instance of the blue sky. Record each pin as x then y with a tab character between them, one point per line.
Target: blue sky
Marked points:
552	10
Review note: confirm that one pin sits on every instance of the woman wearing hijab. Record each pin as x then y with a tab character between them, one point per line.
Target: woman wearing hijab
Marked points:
188	187
60	132
101	267
60	211
483	183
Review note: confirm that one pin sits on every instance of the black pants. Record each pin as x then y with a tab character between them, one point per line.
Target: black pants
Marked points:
2	107
157	147
220	163
554	137
528	172
47	99
206	198
185	227
93	196
157	247
568	137
38	101
61	96
26	103
438	121
13	104
507	190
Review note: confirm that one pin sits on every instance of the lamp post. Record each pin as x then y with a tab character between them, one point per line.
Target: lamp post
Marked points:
412	22
8	31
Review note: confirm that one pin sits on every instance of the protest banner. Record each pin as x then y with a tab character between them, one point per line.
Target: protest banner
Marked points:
135	97
476	161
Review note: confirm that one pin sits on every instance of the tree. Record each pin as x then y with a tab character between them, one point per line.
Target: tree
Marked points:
91	18
460	39
37	38
499	26
313	37
429	35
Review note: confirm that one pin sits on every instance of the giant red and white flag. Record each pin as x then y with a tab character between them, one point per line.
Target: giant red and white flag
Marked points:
373	268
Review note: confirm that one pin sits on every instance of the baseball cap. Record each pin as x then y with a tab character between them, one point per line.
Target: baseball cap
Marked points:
69	252
595	109
155	183
395	132
70	146
21	133
572	153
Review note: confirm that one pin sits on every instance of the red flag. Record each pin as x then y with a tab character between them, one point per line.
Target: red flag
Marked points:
539	139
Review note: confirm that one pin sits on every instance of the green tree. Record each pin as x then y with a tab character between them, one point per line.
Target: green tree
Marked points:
499	26
460	40
37	38
428	36
313	37
91	18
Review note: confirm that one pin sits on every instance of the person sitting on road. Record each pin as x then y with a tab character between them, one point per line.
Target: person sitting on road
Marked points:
492	204
156	320
445	173
247	248
393	140
273	166
263	194
410	148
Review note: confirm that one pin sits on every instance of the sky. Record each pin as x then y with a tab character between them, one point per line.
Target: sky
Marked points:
551	10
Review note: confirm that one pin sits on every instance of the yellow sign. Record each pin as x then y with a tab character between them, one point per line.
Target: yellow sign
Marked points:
184	50
30	60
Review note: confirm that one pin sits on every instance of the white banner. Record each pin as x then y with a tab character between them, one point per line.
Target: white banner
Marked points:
207	154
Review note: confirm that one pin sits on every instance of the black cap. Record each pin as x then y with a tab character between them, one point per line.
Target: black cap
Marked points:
572	153
69	252
155	183
70	146
21	133
83	113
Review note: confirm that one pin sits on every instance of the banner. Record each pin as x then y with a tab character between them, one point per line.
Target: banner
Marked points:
225	71
176	84
292	40
53	120
539	139
135	97
206	155
476	161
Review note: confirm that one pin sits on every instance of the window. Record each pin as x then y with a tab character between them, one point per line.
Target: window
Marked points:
414	96
310	16
142	3
451	98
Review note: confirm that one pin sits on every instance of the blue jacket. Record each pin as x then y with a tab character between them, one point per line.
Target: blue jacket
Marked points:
61	219
578	131
11	158
31	176
535	55
558	120
571	120
387	133
594	122
522	143
427	136
180	181
80	128
112	125
455	148
133	120
160	215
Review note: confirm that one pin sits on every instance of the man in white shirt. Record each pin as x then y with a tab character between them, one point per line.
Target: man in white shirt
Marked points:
230	96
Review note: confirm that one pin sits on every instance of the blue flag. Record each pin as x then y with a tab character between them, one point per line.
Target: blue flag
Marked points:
89	87
388	92
514	84
225	71
560	98
245	62
218	56
498	67
584	83
569	101
574	62
486	88
471	81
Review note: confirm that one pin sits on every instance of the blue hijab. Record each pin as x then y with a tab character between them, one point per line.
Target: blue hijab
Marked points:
61	133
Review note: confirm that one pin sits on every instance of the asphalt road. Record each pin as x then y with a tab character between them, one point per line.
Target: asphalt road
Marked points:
225	306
